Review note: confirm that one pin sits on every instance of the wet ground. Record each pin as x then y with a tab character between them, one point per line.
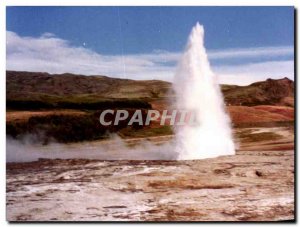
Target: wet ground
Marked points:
257	184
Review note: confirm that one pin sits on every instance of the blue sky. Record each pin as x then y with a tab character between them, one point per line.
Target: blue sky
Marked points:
146	42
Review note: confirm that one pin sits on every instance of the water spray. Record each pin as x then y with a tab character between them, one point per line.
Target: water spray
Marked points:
197	90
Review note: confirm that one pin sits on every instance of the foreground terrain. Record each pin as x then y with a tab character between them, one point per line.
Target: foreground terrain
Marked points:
257	184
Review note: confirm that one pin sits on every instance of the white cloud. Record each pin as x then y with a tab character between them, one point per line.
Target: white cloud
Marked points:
252	52
49	53
249	73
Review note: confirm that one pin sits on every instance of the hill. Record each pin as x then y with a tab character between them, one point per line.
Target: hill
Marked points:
80	88
41	86
66	107
269	92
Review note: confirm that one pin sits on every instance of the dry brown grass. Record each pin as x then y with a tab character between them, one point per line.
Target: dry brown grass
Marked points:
245	114
193	184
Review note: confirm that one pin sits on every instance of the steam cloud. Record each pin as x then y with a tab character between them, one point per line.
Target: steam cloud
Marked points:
197	90
115	149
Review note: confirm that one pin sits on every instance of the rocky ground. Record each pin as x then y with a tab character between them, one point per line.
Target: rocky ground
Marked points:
257	184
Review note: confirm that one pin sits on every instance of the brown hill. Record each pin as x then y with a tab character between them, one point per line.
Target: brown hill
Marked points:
269	92
36	86
45	87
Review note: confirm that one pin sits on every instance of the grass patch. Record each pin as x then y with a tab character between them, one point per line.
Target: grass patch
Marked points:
247	136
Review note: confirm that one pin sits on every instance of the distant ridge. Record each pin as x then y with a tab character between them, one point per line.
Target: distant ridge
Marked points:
44	86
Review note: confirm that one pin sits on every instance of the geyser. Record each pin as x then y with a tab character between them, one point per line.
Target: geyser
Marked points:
197	90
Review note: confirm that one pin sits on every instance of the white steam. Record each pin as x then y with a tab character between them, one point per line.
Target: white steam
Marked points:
113	149
198	91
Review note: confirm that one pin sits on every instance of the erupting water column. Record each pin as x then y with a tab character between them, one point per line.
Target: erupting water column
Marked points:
198	91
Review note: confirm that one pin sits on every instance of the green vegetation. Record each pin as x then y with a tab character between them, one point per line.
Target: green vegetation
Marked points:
62	128
248	136
67	128
94	105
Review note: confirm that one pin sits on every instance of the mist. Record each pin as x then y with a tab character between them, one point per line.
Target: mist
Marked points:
197	90
113	149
